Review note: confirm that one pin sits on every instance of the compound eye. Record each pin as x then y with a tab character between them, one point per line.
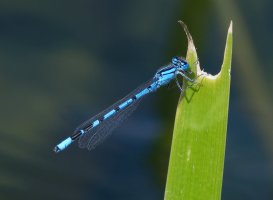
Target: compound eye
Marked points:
185	65
175	60
183	62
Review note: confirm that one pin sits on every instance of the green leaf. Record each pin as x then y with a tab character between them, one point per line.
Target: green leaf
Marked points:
198	146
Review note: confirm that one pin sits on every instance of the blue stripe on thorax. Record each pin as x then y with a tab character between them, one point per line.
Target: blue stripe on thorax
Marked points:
165	79
171	70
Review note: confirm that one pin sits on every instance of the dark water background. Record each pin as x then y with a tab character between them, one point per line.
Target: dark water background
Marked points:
63	61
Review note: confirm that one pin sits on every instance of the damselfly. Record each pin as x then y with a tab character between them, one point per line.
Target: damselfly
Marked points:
93	131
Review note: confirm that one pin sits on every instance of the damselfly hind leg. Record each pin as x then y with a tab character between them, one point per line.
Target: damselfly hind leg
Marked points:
184	76
178	85
192	81
195	82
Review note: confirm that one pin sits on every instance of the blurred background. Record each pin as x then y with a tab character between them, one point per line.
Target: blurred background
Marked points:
63	61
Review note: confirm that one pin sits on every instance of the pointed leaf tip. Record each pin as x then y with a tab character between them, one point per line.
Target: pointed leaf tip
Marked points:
230	27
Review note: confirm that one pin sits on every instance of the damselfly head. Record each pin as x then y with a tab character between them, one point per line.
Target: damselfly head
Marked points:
180	63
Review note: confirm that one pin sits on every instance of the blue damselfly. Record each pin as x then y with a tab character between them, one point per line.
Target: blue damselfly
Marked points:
93	131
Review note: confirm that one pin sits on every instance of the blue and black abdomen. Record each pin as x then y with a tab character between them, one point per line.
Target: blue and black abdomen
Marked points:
97	128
